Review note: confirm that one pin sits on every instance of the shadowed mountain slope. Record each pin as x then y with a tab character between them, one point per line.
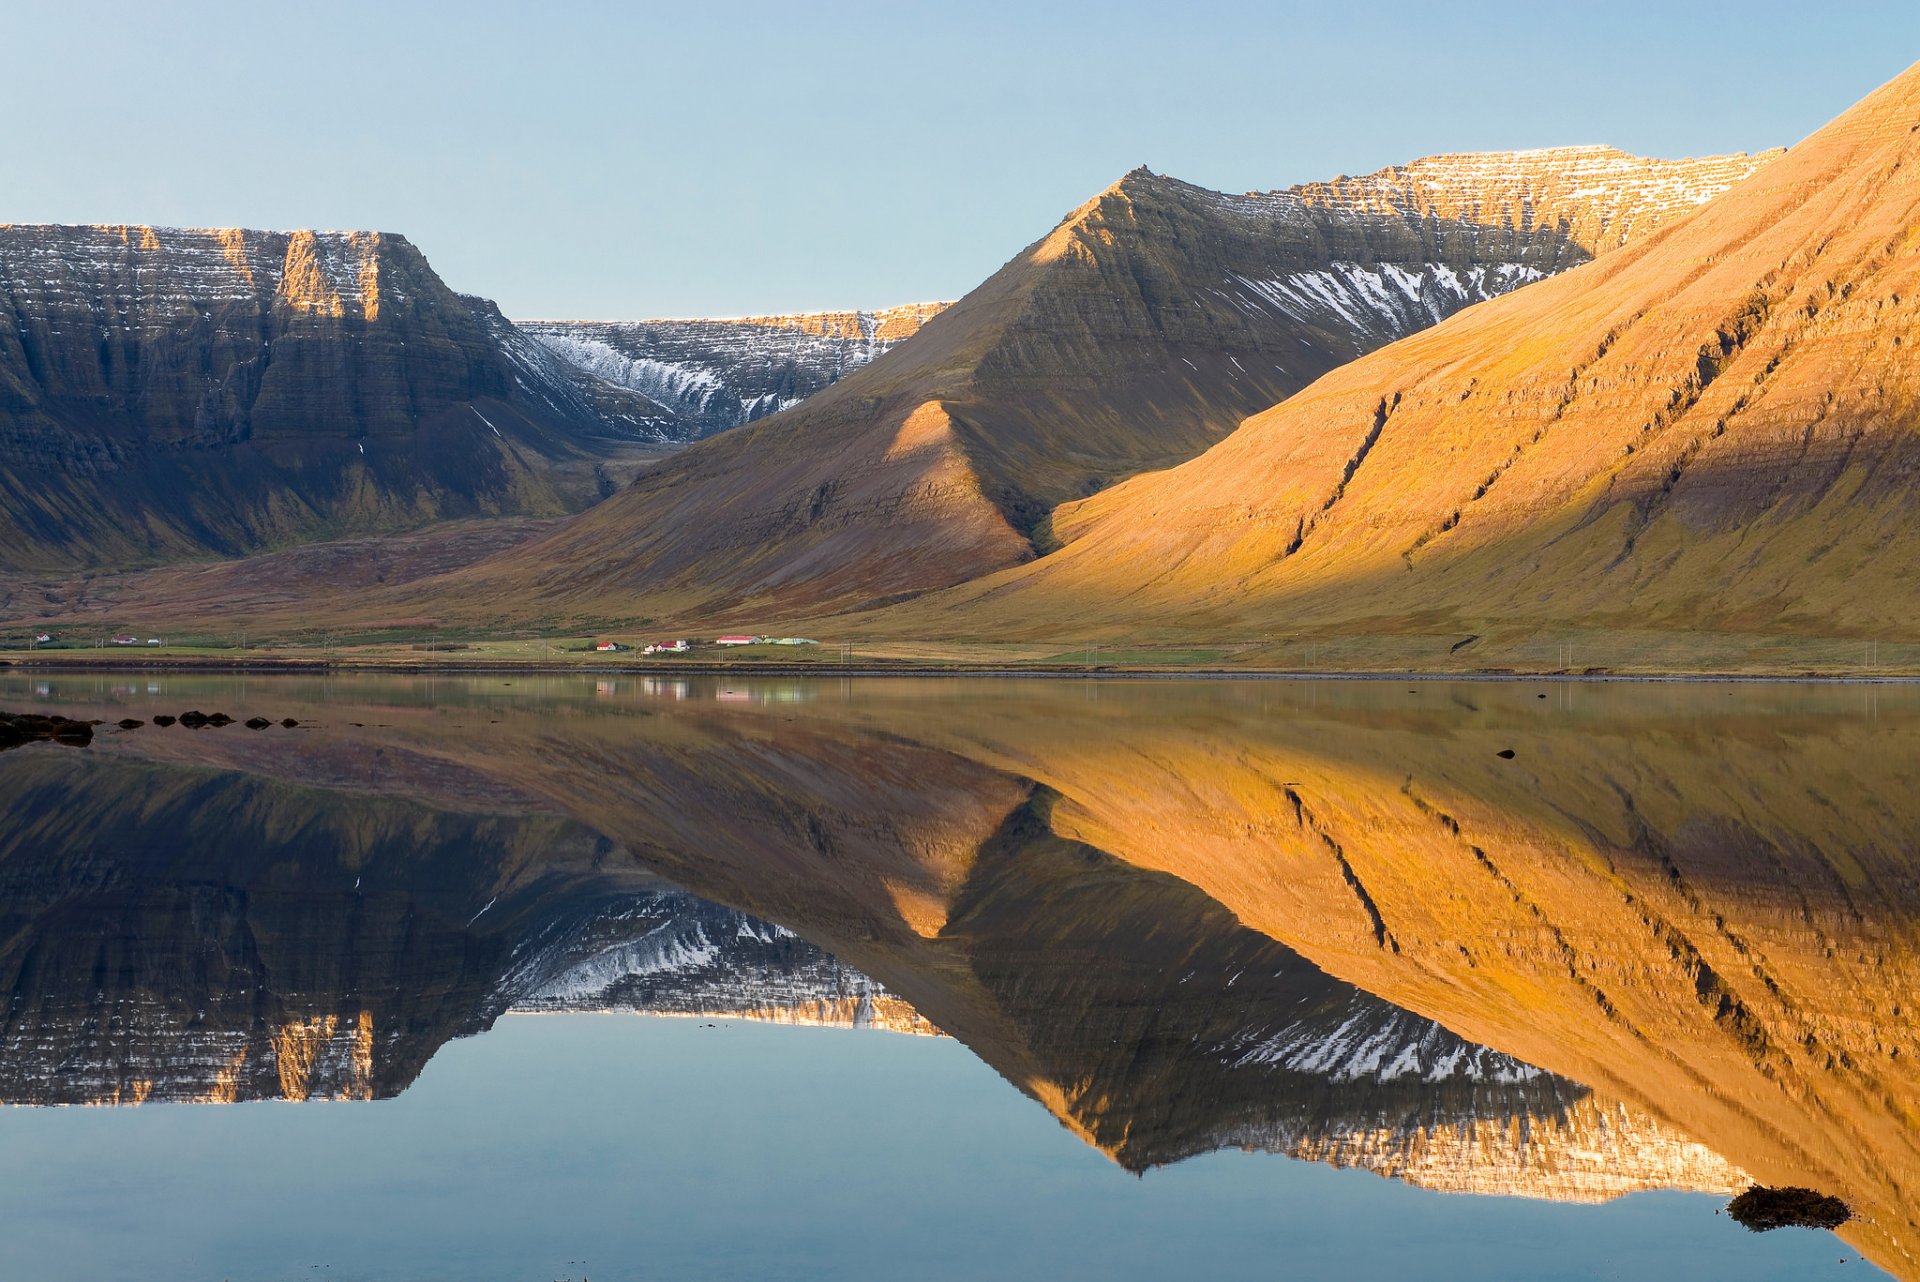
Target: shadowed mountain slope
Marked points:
169	393
1132	337
1712	427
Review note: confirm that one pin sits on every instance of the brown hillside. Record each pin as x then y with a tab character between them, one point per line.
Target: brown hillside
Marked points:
1132	337
1713	427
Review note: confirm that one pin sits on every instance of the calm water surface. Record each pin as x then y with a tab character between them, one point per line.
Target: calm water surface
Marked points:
622	978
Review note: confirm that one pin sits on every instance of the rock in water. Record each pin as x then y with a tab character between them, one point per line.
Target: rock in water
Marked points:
27	727
1761	1208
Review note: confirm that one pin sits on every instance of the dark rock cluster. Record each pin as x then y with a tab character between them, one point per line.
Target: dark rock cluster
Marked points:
17	728
1761	1208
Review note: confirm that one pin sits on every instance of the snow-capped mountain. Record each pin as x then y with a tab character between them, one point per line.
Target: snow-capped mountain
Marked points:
716	374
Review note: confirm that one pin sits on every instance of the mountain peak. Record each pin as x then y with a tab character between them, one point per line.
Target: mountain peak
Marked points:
1130	338
1706	429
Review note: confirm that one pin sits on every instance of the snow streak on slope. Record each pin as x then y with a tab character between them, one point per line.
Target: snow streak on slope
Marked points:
1384	302
716	374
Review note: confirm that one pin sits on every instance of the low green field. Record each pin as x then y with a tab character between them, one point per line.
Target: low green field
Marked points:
1494	651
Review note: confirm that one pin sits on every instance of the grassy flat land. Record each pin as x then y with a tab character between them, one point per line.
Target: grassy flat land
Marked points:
1579	653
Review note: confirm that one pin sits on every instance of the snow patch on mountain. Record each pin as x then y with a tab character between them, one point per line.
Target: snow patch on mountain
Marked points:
717	374
1384	302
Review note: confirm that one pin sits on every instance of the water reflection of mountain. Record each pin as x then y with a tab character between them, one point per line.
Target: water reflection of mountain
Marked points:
181	931
191	934
1159	910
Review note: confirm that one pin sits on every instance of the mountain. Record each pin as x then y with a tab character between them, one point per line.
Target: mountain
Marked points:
1136	334
1708	430
170	393
716	374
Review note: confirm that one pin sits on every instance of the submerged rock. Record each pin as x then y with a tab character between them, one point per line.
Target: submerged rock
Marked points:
257	723
1761	1208
131	723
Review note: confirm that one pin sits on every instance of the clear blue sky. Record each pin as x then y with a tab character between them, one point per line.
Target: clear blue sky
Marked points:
640	159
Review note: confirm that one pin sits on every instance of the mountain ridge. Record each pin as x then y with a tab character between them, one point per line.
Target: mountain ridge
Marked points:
1131	337
1674	436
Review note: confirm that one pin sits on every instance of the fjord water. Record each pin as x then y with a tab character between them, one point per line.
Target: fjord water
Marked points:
1209	957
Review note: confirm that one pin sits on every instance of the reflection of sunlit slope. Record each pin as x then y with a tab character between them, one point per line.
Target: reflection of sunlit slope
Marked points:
1135	1007
1711	916
1150	1020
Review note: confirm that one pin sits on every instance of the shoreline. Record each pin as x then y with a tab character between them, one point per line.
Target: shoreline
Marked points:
868	671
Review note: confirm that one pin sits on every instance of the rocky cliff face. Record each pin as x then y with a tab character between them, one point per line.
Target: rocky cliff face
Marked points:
716	374
1131	338
168	393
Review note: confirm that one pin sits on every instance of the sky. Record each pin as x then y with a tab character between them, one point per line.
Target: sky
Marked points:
707	157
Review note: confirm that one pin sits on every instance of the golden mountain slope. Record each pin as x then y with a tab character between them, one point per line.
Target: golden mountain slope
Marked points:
1712	427
1132	337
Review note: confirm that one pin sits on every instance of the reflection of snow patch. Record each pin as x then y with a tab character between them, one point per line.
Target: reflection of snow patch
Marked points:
1382	1044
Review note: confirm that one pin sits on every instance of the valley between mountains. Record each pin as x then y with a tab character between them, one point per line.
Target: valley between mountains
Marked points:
1474	400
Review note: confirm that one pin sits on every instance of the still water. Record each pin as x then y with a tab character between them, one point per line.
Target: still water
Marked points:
538	978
